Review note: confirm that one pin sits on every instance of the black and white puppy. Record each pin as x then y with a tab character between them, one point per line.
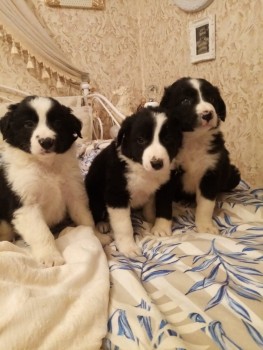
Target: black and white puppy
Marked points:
202	166
128	172
40	178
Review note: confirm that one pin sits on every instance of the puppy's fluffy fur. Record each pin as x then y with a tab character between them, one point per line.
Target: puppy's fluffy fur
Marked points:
128	173
202	166
39	175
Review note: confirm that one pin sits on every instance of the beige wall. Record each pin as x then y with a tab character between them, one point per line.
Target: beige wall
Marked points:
138	43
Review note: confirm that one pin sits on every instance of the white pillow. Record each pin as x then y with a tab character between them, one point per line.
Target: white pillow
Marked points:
83	113
3	108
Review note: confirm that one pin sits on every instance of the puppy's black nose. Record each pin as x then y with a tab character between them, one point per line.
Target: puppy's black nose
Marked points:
157	164
46	143
207	116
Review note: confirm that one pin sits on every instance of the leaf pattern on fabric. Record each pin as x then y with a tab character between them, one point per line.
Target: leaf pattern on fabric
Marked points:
191	291
158	333
221	338
254	333
154	263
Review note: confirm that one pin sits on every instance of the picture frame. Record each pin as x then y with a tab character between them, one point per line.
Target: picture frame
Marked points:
82	4
202	39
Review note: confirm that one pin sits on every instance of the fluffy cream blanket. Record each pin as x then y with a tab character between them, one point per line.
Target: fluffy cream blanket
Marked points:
63	307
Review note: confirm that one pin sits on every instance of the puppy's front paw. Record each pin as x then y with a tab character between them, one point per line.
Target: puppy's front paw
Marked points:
162	228
104	238
50	259
207	227
103	226
130	250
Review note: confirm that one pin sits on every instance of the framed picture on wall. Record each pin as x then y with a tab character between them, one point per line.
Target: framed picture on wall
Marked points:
83	4
202	39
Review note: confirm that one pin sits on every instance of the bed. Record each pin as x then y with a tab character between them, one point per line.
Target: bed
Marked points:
189	291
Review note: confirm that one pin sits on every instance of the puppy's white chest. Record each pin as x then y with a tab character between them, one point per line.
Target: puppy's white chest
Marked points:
143	184
45	188
195	160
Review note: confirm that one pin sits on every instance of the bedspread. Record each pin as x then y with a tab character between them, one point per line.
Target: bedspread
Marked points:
192	291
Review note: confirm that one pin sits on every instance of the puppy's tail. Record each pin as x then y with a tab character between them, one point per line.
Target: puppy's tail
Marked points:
233	178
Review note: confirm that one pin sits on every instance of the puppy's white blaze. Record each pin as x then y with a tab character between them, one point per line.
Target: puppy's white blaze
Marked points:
120	220
204	106
41	105
196	85
156	150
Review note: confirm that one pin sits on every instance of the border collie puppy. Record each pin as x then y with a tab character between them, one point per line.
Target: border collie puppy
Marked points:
202	166
127	174
39	175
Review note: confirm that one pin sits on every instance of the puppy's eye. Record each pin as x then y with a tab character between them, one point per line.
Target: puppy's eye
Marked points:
186	102
140	140
29	124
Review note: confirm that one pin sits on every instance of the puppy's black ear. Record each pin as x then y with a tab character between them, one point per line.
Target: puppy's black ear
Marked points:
4	125
5	120
221	107
75	123
124	130
166	97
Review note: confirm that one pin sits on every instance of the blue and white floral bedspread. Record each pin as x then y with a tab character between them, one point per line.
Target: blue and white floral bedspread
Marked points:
192	291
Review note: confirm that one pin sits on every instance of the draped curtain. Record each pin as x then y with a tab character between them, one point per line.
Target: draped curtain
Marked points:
19	21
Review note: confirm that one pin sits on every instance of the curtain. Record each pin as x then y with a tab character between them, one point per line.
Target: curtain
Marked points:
20	22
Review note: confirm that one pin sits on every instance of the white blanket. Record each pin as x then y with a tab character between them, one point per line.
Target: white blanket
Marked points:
63	307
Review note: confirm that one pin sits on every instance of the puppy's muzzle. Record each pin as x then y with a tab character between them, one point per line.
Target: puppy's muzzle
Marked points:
207	115
156	164
47	143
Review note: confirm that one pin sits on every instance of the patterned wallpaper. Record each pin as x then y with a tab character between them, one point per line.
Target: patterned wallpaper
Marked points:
139	43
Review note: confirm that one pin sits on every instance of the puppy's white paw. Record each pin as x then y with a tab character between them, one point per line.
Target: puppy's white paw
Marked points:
129	250
207	227
103	226
159	232
49	259
65	231
162	228
104	238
